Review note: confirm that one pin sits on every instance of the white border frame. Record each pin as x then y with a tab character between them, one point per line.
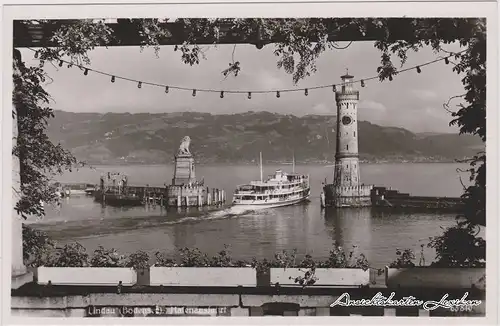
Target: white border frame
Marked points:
25	9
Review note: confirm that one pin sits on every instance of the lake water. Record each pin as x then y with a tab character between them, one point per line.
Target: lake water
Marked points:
305	227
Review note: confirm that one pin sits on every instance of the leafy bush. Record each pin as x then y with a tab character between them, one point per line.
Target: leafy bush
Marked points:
307	262
37	247
71	255
107	258
222	259
242	263
138	260
308	267
309	277
404	259
163	261
285	259
193	258
260	265
338	258
459	246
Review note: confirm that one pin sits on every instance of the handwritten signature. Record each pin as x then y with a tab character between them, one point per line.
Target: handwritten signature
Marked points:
379	300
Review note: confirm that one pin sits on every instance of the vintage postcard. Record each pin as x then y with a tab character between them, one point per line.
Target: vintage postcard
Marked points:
249	160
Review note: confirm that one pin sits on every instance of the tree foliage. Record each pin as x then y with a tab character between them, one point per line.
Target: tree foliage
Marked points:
74	40
37	247
39	158
459	246
298	44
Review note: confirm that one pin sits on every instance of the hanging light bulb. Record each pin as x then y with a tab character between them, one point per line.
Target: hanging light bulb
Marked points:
86	72
36	54
139	85
418	69
306	92
390	77
222	94
278	94
194	92
334	88
249	95
166	89
112	79
362	83
446	60
60	63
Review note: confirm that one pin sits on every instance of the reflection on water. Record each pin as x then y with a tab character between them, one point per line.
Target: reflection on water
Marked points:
305	227
350	226
261	233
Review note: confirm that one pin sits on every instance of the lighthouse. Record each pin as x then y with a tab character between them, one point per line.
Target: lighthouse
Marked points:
347	189
346	172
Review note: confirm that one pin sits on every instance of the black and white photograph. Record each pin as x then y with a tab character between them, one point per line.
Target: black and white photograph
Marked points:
275	164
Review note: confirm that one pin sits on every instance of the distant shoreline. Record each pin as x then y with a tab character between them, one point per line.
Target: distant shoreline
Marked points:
267	163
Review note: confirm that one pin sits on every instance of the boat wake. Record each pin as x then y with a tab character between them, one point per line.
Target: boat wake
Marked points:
97	227
227	213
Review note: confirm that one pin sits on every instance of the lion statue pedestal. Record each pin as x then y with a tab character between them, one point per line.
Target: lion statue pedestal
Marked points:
184	172
185	191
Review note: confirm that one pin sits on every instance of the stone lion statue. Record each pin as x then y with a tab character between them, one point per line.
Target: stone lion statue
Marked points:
184	147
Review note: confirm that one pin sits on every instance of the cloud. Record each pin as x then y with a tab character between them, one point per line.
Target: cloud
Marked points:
322	108
374	112
268	80
424	94
437	112
372	106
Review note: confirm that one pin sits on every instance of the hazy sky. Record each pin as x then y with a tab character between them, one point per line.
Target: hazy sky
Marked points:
413	101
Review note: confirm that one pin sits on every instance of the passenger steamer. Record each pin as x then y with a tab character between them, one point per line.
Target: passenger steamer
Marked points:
280	189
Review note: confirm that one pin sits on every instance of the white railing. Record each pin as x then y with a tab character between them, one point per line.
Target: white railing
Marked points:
271	192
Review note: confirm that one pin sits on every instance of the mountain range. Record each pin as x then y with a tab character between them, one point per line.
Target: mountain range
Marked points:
147	138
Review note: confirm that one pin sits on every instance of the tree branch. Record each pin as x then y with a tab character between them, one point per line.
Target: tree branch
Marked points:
447	104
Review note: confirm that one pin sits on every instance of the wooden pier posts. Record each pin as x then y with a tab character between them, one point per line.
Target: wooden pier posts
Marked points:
216	197
182	196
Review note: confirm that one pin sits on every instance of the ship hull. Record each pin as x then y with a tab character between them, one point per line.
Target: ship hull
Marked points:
117	199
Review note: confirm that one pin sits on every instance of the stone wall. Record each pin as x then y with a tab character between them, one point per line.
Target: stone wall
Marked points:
356	196
223	304
422	283
194	195
190	193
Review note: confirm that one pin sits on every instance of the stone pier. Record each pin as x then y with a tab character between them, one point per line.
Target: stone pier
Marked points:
186	190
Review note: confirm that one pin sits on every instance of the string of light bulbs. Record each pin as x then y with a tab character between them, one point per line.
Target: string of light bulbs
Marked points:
278	92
